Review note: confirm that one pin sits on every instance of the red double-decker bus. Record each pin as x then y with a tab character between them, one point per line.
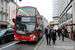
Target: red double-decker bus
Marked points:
28	24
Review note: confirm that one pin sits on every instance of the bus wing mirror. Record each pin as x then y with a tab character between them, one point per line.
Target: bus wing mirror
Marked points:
13	20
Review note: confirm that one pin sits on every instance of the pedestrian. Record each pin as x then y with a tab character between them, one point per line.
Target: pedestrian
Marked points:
63	34
59	33
54	37
51	31
48	35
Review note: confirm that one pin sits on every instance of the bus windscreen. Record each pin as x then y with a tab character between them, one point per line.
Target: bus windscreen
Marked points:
26	11
25	28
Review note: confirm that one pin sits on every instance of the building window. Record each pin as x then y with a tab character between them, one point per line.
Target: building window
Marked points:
6	10
64	18
69	13
1	9
61	20
5	18
6	4
55	18
1	17
1	2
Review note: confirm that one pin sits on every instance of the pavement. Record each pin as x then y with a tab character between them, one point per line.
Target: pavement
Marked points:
68	44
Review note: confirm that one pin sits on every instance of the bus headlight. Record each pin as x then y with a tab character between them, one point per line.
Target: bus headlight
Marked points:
34	36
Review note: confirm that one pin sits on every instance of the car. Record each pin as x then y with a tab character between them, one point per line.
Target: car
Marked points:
6	35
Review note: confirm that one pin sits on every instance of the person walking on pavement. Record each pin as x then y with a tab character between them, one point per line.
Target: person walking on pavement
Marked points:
48	35
54	37
59	33
51	32
63	34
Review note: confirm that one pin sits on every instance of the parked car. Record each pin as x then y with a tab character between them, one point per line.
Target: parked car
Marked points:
6	35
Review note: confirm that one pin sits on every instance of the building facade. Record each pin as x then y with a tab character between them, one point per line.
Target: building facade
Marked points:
55	24
66	15
4	14
12	11
7	12
45	23
55	7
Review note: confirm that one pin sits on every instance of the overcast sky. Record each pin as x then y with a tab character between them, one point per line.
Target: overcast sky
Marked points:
44	7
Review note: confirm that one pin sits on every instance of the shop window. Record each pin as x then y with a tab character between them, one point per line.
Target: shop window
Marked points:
69	13
64	18
60	20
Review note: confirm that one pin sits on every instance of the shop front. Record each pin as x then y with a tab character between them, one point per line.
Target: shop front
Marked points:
3	25
69	29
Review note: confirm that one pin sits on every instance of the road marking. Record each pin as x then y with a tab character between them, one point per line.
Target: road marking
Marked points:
9	45
38	44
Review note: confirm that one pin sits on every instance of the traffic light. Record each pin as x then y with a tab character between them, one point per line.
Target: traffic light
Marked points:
20	0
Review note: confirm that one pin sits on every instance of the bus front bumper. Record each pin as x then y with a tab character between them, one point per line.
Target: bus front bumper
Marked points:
25	38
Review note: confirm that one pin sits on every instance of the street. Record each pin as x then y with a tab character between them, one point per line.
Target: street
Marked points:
34	24
68	44
17	45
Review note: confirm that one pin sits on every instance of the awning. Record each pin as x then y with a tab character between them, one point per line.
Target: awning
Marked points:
70	24
3	24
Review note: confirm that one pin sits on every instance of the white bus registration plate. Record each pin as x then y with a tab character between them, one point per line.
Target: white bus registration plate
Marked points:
24	40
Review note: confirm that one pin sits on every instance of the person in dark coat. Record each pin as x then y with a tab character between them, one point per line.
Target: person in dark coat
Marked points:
63	34
48	35
59	33
54	37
